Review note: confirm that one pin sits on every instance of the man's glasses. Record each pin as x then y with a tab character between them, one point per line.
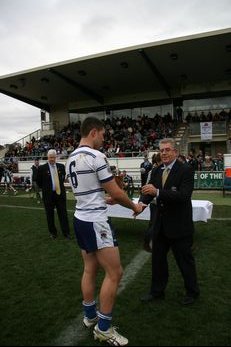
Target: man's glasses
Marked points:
167	150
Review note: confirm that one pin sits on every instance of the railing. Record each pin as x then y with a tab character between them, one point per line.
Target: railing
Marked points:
120	155
46	127
219	128
3	151
197	111
28	138
203	180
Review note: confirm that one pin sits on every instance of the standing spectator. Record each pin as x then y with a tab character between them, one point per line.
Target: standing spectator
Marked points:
1	172
156	161
179	114
34	174
8	180
50	179
200	159
182	158
145	167
118	176
207	164
172	185
90	175
219	162
192	161
128	184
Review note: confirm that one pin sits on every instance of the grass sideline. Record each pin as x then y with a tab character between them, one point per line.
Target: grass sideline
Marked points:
40	282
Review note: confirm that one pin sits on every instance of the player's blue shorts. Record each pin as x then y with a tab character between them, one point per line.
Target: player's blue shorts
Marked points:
92	236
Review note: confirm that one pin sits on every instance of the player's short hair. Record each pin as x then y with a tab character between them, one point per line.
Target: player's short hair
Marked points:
89	124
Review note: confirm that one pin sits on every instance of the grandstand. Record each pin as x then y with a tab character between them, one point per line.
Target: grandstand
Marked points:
189	78
172	79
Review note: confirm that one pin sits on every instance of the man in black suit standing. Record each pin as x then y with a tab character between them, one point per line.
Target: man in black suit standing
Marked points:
145	167
34	173
50	179
172	185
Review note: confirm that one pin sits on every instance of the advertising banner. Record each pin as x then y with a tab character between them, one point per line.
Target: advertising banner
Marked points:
208	179
206	131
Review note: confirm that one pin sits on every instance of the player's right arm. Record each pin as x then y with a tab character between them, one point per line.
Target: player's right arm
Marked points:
119	196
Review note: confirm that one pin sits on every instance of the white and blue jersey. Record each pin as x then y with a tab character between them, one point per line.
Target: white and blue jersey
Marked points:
86	169
7	176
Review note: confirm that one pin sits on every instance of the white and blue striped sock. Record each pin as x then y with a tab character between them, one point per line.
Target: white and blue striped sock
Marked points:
89	309
104	322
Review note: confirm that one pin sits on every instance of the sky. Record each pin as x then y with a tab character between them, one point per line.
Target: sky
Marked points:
36	33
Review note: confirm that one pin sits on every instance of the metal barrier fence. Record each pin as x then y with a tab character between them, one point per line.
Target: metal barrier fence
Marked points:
203	180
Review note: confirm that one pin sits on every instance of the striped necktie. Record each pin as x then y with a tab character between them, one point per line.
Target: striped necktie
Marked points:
165	176
56	180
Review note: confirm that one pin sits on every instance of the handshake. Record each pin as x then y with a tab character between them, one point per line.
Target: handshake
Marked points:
139	207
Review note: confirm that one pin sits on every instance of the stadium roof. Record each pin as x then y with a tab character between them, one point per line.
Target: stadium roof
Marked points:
154	73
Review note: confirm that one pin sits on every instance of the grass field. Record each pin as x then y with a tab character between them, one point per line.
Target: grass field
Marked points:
40	283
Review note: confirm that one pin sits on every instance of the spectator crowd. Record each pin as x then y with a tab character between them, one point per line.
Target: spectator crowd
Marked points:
124	136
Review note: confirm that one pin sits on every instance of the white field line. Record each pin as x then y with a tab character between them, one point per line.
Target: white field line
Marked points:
75	332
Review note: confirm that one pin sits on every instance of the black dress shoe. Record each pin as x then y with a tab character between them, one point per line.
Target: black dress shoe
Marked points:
53	236
147	248
189	299
150	297
67	237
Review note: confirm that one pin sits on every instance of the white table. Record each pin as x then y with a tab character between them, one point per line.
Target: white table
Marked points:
202	211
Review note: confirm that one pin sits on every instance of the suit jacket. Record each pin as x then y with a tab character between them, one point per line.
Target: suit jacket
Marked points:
174	206
44	180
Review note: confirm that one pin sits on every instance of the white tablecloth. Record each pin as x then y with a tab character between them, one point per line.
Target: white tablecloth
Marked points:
202	211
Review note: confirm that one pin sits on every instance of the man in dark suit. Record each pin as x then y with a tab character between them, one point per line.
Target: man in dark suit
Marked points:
50	178
145	167
128	184
172	185
34	173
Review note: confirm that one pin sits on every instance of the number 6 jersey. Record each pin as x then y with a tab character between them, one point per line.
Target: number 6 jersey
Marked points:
86	169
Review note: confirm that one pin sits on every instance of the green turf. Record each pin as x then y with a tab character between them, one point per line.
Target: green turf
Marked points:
40	282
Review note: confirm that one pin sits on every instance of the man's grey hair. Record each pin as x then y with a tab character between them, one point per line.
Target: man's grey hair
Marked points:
51	152
169	140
